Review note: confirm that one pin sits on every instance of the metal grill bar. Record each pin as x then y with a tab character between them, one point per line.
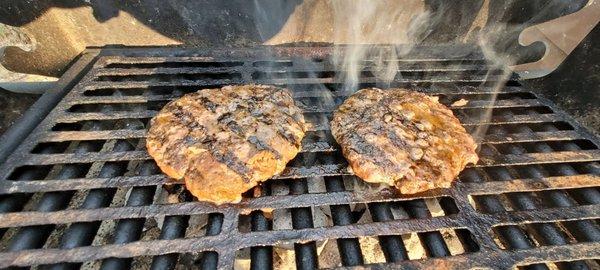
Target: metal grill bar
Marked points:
262	257
128	230
82	234
173	228
537	179
306	253
545	232
490	159
396	227
434	243
67	216
393	247
561	199
34	237
349	248
320	146
210	259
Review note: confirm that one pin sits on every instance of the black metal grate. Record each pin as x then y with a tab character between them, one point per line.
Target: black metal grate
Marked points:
81	191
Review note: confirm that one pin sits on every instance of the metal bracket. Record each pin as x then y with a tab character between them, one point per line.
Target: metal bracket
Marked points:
20	82
560	36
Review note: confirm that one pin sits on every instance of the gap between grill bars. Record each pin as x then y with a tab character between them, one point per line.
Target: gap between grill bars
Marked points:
80	191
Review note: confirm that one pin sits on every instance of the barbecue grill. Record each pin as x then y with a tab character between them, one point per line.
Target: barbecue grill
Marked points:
78	188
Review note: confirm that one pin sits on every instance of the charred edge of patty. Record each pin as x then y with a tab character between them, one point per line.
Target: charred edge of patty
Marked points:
226	123
352	142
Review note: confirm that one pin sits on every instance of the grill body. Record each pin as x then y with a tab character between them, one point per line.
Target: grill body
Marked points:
79	190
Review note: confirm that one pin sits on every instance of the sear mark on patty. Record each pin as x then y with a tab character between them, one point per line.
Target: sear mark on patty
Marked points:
415	143
224	141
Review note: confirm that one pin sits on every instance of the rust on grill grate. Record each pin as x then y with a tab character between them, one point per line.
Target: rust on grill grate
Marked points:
80	190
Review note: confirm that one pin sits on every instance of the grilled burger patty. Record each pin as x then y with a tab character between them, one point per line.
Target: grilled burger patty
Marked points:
402	138
225	141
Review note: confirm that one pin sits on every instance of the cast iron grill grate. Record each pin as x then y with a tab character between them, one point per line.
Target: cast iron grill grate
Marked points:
81	191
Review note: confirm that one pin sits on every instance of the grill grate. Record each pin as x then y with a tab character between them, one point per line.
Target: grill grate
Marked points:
81	191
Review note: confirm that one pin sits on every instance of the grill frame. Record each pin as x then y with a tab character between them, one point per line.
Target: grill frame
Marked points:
38	121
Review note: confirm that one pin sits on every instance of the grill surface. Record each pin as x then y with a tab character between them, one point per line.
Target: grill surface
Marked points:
81	191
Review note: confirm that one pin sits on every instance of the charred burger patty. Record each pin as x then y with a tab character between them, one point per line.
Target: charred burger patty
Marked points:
402	138
225	141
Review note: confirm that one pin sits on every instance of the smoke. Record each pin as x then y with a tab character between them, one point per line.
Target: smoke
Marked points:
366	35
361	27
375	41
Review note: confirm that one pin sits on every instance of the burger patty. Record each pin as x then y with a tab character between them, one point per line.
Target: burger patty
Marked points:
222	142
402	138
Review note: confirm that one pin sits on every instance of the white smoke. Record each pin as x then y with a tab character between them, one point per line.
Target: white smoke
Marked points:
377	38
361	27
